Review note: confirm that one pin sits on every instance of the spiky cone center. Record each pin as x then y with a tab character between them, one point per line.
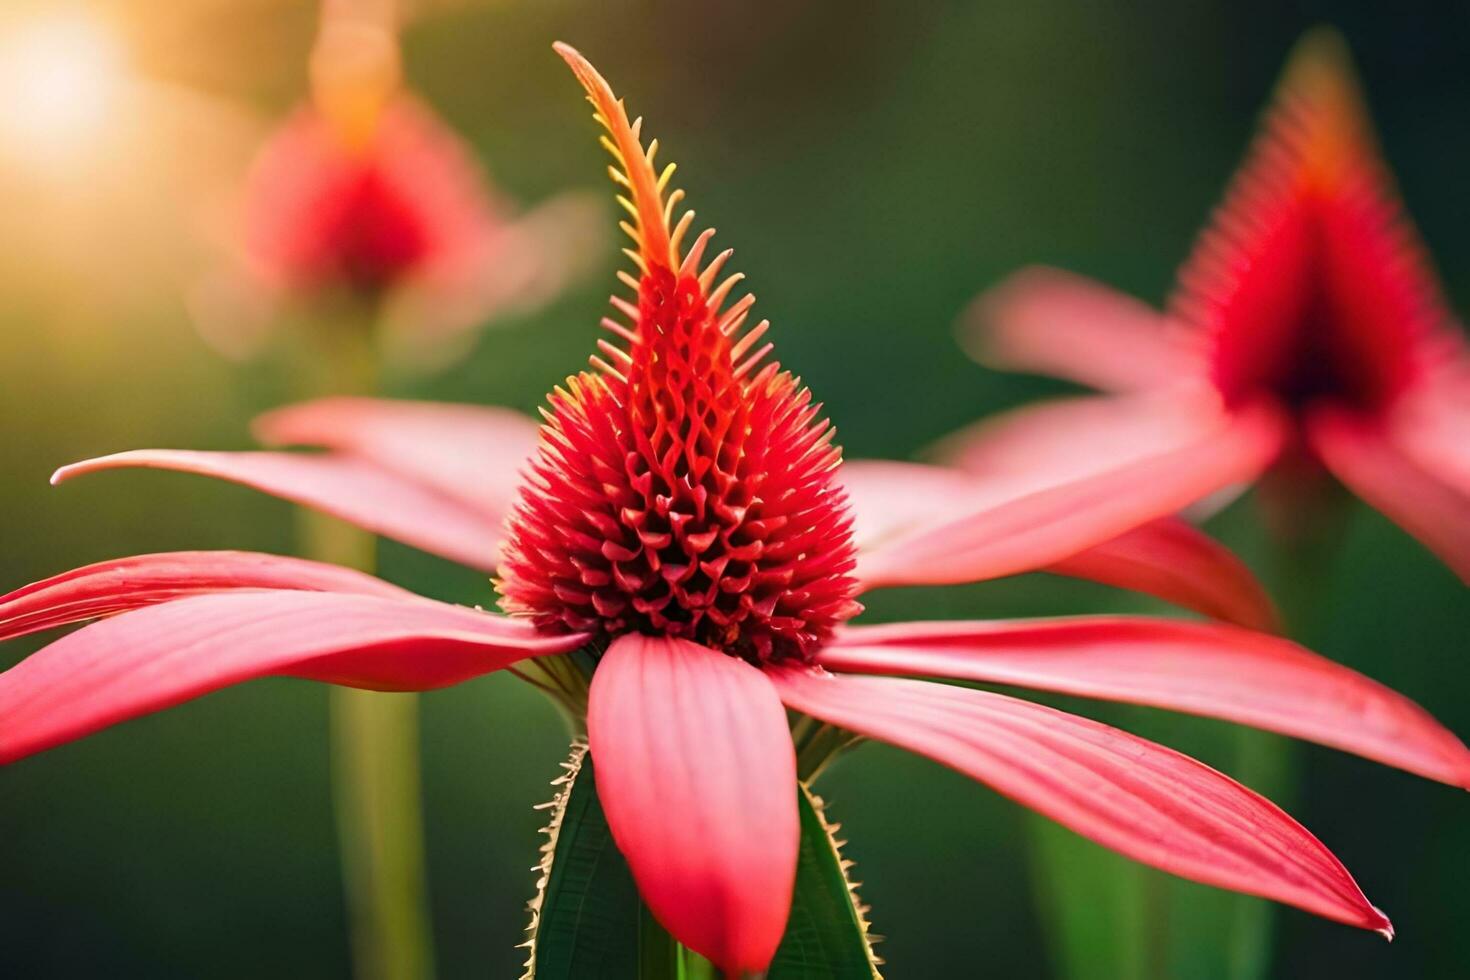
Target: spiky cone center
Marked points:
322	217
685	487
680	497
1311	284
378	238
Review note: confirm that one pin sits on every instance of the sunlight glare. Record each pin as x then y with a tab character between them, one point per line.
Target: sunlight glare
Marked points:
61	77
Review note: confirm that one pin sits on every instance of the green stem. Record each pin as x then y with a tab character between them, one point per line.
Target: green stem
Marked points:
376	780
658	954
1266	762
1094	906
661	957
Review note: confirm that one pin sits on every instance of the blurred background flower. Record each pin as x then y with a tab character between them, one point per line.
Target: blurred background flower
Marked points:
1308	298
362	203
907	157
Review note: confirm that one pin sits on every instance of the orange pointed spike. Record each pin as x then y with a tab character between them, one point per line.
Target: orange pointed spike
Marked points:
1319	97
666	269
654	239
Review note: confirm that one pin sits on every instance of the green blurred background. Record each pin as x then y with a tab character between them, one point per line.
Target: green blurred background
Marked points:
875	164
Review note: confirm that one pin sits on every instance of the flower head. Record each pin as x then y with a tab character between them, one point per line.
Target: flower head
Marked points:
362	187
1310	286
684	488
364	193
681	528
322	213
1308	306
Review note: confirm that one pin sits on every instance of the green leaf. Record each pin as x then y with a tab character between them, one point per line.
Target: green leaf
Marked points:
587	920
585	916
827	935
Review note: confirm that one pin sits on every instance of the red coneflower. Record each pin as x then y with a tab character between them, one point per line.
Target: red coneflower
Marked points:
1307	324
363	193
683	521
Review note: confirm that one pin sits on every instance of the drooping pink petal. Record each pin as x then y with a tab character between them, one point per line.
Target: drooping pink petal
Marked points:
1166	558
1051	322
110	587
155	658
1178	563
888	498
1433	426
1360	453
1141	799
532	259
1039	528
1041	445
1200	668
471	453
354	490
697	774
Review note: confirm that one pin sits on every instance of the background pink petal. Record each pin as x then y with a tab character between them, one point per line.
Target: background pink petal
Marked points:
1201	668
697	774
1051	442
471	453
1175	561
1167	558
888	498
1039	527
1143	800
1433	427
110	587
1046	321
354	490
155	658
1362	455
530	260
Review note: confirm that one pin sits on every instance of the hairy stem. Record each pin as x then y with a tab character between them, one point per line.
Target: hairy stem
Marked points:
817	744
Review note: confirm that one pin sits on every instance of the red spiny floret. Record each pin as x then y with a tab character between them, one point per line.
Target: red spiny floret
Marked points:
680	497
1310	282
324	212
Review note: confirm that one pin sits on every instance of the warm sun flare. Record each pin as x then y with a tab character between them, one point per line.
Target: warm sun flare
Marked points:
61	76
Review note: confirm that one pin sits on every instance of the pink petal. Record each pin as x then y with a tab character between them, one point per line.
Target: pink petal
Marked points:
1200	668
1143	800
1178	563
1051	322
697	774
525	264
1363	456
888	498
1038	528
354	490
116	586
155	658
1433	426
1052	442
470	453
1166	558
